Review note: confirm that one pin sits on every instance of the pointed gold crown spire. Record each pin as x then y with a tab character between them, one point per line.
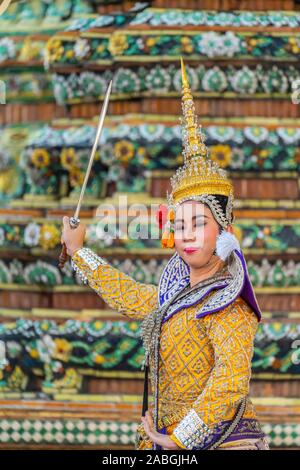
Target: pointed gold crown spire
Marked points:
193	140
199	178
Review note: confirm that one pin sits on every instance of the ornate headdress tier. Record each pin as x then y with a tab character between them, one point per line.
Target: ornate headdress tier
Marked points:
199	178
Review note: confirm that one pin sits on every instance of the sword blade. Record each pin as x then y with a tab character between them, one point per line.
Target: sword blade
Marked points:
94	149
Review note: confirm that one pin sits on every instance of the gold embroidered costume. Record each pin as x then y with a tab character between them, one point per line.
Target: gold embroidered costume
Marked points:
198	341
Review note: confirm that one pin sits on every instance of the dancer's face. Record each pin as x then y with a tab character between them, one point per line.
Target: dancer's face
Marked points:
196	233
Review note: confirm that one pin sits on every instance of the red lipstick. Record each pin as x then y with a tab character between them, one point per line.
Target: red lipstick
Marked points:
189	250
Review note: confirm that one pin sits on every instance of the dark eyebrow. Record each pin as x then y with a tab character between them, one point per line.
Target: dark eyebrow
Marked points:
193	218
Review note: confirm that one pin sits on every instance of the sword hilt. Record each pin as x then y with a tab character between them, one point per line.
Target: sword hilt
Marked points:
74	222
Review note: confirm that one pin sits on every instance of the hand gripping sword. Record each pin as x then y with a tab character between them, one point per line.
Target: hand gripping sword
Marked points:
75	221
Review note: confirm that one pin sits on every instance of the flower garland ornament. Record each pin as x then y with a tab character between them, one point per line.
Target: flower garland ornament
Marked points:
167	240
161	215
165	220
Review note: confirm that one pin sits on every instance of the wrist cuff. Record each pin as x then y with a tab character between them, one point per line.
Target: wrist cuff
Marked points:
191	430
90	259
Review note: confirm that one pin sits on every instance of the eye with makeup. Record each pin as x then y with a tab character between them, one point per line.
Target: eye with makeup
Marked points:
198	222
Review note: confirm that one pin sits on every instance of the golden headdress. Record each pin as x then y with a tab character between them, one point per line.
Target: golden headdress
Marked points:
200	178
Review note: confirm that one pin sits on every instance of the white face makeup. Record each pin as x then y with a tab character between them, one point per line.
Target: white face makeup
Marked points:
190	219
195	233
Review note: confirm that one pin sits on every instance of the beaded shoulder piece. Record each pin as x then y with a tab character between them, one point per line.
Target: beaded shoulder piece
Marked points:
224	297
175	277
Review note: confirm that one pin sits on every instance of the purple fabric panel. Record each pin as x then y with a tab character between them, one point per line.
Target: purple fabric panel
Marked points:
247	292
246	429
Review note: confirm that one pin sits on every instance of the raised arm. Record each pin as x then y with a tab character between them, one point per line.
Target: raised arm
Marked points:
231	332
117	289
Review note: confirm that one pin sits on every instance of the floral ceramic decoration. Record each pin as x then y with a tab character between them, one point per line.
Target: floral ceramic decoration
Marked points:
163	80
62	353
